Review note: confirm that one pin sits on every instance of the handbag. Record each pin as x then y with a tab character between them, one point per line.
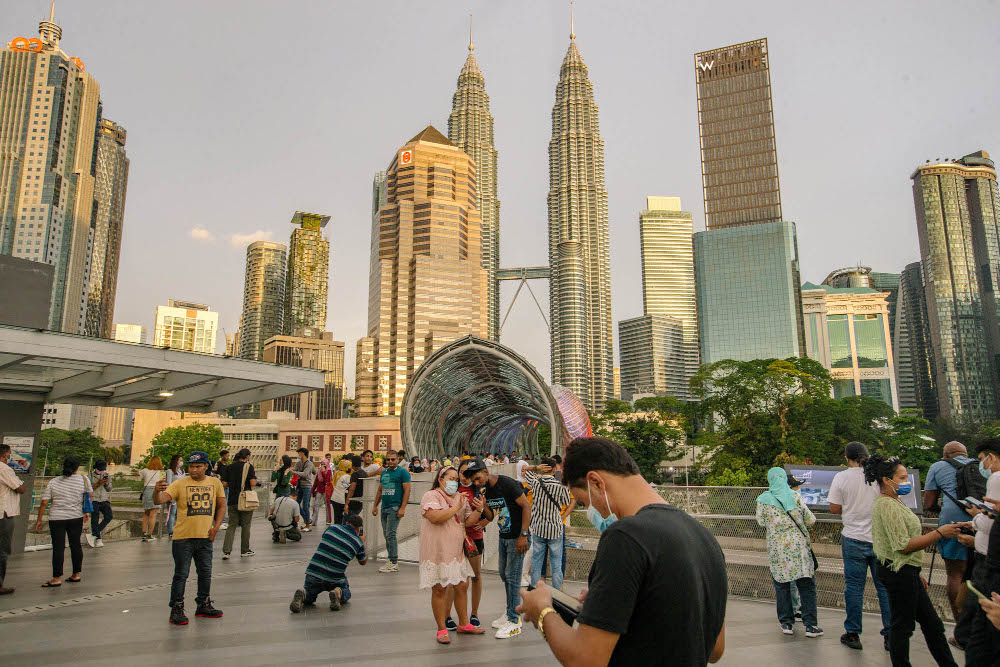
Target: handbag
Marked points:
469	545
248	500
808	541
88	506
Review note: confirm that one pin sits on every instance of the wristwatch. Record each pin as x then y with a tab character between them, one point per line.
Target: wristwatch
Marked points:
541	620
525	533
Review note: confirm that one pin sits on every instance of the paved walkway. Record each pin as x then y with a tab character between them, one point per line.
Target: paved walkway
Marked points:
118	615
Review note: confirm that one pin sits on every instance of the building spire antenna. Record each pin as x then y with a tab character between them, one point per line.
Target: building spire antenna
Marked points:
572	31
471	45
52	12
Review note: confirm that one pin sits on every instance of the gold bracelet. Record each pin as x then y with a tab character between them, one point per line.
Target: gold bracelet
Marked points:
541	618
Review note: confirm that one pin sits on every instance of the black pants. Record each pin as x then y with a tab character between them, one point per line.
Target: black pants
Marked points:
963	624
338	512
6	543
983	646
910	605
61	529
199	550
100	517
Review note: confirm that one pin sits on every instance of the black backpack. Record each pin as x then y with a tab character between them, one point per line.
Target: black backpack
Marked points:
968	480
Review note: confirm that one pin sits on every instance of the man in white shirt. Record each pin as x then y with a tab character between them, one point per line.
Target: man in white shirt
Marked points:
853	499
10	507
285	515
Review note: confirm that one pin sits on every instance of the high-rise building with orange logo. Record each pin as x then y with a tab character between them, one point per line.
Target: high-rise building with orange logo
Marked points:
427	285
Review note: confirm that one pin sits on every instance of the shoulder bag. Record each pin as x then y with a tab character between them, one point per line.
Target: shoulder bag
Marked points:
805	534
469	545
248	500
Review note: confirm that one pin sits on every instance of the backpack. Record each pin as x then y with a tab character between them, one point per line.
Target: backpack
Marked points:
968	480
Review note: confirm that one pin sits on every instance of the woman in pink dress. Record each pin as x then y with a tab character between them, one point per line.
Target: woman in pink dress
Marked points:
443	565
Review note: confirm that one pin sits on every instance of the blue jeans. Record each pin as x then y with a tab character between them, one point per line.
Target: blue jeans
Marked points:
225	519
303	496
97	526
199	549
314	586
510	563
541	546
389	523
807	593
858	559
171	517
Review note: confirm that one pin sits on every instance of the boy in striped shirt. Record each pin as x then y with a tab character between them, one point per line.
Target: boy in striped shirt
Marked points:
326	571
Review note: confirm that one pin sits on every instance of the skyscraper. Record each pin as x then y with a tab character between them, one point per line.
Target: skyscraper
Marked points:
470	128
427	286
579	250
110	184
309	348
749	299
956	206
263	297
739	160
49	114
115	424
183	325
651	351
915	375
308	273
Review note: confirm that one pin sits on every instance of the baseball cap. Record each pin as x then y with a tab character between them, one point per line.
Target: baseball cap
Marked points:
475	465
792	481
198	457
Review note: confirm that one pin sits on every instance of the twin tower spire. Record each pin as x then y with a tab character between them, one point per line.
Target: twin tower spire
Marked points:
579	250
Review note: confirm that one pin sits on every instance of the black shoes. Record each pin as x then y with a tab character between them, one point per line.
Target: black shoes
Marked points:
885	642
177	616
851	640
206	610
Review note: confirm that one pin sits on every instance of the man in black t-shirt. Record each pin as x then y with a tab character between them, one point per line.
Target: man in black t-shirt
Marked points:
505	498
658	585
352	502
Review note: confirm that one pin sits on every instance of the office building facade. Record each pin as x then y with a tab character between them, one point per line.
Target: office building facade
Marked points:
470	128
307	273
956	208
915	375
309	348
749	300
739	159
110	185
651	352
263	298
115	424
427	286
863	276
49	114
183	325
579	247
847	330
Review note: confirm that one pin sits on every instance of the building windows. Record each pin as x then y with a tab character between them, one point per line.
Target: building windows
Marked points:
844	388
869	336
383	443
315	442
338	443
840	342
292	443
359	443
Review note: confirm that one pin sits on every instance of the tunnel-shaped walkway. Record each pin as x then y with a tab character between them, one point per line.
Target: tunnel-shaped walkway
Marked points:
477	395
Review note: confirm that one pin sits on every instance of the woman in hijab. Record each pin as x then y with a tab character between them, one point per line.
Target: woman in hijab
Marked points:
786	519
341	483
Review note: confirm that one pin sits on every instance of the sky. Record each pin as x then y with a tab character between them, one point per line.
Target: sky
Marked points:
240	113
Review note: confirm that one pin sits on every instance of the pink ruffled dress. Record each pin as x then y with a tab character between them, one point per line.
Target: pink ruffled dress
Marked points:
442	559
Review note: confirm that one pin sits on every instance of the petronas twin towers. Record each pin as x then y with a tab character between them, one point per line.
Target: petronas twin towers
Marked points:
579	253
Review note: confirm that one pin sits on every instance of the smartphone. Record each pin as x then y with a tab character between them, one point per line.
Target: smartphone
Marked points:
567	606
974	590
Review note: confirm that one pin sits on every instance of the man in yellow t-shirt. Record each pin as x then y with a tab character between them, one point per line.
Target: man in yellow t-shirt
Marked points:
201	507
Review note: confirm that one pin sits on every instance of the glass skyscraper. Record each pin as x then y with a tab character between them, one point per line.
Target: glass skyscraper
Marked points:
957	212
263	297
915	375
739	160
749	304
309	348
307	273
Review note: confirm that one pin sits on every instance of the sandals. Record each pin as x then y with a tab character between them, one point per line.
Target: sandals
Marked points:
442	637
71	580
49	584
470	629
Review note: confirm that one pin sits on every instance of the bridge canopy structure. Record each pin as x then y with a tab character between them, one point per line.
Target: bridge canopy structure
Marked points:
478	395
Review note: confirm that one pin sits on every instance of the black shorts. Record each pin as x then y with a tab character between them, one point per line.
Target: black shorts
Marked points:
479	544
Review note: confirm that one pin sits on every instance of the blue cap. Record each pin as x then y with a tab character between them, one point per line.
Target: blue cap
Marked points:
198	457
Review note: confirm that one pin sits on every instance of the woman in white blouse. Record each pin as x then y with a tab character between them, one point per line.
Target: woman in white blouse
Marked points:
64	498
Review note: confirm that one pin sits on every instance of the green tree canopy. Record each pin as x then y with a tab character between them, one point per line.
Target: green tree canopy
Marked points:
183	440
55	444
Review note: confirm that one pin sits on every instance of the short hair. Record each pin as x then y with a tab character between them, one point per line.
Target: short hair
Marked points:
549	461
557	458
302	450
154	463
243	454
856	451
223	452
594	453
353	520
989	446
4	449
401	453
356	460
391	453
368	451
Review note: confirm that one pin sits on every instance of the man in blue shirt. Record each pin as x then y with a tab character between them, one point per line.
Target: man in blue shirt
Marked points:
339	545
943	475
393	493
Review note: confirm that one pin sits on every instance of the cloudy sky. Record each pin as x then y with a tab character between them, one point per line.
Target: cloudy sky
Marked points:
240	113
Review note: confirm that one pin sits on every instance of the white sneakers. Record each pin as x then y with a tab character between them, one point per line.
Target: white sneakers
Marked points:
508	629
224	526
389	567
91	540
500	622
100	542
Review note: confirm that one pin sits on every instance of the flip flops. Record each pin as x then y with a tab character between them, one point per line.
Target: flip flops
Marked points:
71	580
470	629
49	584
442	637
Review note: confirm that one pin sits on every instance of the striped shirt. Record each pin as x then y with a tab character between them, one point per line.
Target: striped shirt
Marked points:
10	504
545	514
338	546
65	496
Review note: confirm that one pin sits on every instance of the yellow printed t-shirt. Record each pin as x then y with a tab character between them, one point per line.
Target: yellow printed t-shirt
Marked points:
196	503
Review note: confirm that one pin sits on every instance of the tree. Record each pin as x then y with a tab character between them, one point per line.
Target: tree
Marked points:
183	440
113	454
56	444
909	438
650	442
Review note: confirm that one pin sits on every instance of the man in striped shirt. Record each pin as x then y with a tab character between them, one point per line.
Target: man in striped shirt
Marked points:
550	505
339	545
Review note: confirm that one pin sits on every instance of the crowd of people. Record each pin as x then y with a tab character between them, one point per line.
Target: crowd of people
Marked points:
648	555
